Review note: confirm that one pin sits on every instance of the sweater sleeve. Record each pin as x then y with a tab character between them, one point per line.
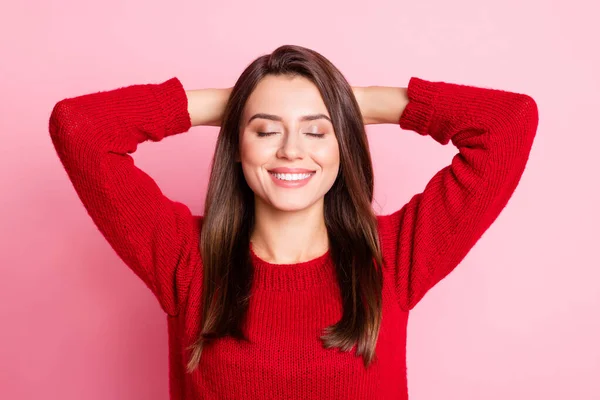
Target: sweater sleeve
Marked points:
93	135
431	234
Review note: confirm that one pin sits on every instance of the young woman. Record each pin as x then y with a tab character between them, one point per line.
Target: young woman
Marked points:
289	286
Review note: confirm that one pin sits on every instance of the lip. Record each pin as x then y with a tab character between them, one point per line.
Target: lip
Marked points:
285	170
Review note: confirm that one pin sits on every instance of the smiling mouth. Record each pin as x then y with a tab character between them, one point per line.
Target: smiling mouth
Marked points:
292	177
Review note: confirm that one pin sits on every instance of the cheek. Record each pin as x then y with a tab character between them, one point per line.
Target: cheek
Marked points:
253	153
327	154
253	156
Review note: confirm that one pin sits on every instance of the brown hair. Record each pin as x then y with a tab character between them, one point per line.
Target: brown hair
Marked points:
349	217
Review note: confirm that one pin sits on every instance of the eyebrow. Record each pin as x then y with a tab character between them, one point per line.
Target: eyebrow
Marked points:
272	117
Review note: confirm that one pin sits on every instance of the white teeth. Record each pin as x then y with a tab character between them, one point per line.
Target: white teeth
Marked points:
290	177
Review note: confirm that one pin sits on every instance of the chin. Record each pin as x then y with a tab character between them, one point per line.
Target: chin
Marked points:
290	206
291	203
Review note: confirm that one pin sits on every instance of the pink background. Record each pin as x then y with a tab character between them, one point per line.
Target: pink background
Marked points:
519	318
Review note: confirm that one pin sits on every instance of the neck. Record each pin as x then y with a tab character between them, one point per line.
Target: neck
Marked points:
289	237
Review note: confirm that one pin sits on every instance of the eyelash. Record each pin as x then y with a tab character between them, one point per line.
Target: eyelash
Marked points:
315	135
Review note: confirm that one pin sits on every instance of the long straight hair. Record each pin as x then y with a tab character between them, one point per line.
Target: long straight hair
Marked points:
349	218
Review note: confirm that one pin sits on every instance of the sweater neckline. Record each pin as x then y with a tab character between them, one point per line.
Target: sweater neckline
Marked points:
304	275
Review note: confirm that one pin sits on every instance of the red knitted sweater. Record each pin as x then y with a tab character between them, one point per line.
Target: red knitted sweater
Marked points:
291	304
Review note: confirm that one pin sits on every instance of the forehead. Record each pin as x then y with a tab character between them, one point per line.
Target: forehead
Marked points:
289	97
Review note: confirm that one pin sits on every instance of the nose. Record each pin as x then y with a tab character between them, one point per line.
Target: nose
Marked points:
291	146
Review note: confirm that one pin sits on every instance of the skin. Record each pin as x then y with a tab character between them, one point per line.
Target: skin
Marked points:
288	217
290	224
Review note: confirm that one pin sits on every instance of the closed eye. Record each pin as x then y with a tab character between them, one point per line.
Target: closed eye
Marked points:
316	135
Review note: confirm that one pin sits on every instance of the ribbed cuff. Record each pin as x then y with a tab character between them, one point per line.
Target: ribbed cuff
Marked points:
419	111
173	101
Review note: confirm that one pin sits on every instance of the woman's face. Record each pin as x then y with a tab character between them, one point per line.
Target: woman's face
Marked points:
288	149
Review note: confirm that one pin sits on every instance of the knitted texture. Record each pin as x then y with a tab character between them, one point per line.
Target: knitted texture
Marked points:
158	239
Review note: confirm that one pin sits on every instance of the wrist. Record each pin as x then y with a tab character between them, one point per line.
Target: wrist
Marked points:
360	93
383	104
206	106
